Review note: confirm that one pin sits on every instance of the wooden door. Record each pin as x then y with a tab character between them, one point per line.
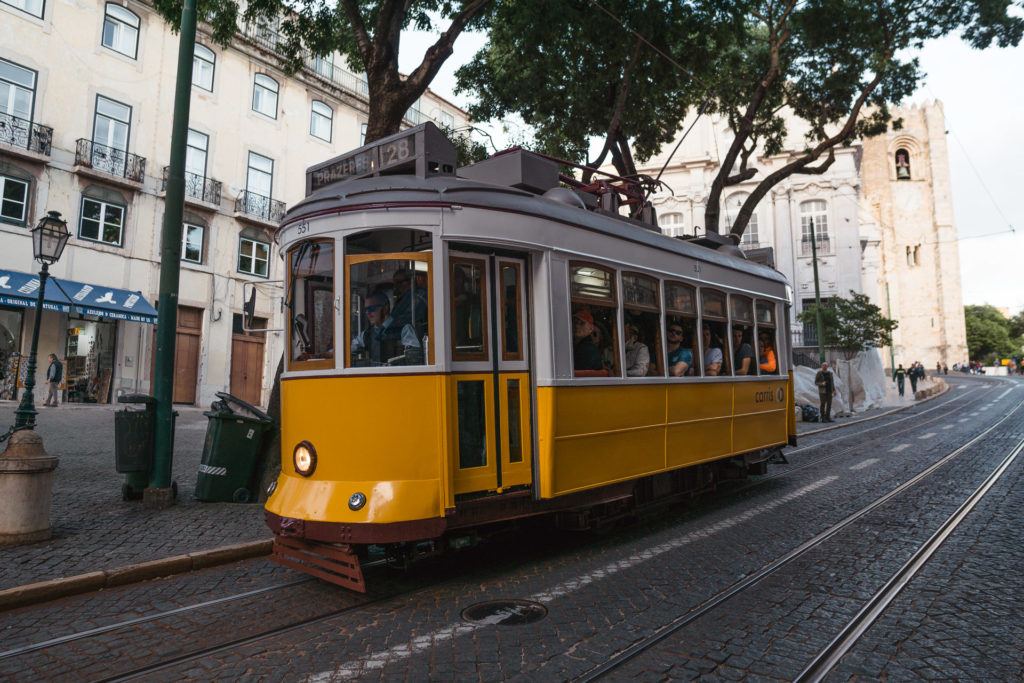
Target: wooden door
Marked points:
247	365
186	354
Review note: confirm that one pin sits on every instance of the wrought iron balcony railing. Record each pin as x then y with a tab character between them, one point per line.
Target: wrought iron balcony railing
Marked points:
116	162
24	134
198	187
261	207
824	246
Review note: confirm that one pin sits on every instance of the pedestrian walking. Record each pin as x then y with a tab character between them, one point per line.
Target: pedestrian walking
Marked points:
826	384
54	375
899	375
945	369
913	375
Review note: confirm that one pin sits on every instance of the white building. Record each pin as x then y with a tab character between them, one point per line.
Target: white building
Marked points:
863	213
781	221
86	95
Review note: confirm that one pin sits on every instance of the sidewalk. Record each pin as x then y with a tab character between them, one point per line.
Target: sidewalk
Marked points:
93	529
807	428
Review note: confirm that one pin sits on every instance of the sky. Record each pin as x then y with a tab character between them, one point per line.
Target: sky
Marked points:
984	118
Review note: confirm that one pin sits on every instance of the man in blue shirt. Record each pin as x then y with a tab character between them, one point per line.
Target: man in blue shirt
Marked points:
680	358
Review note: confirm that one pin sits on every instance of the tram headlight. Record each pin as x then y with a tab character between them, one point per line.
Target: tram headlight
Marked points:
304	458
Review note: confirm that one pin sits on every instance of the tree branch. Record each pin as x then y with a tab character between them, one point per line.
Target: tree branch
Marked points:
351	9
435	55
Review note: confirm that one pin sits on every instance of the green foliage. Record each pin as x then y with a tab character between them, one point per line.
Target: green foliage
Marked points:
573	73
988	334
469	150
851	325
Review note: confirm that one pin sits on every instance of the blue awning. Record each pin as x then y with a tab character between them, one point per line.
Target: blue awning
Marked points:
68	296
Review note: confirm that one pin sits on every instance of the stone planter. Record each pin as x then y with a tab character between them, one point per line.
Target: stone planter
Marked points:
26	489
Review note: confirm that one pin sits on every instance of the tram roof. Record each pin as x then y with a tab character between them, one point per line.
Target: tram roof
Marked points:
410	190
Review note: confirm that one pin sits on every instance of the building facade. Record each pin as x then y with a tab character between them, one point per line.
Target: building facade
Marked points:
781	226
906	182
86	95
882	222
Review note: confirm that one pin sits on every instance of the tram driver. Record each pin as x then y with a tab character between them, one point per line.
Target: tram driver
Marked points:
378	342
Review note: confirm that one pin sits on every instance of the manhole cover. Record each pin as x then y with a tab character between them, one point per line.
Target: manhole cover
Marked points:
505	612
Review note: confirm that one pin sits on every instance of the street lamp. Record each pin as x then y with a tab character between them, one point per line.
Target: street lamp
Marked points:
49	238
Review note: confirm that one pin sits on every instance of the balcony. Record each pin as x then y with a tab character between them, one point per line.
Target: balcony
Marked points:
824	246
110	163
24	138
199	190
259	210
271	41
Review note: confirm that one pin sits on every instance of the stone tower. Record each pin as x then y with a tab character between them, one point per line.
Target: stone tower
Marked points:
905	176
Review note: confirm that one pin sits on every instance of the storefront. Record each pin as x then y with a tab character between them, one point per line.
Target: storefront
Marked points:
11	319
81	323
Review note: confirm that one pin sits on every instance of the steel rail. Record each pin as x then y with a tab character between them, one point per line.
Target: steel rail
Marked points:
826	660
767	570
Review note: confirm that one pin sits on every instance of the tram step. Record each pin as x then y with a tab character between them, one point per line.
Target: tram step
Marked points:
334	563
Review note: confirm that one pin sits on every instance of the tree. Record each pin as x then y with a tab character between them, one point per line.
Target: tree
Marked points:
366	32
851	325
834	64
988	333
573	73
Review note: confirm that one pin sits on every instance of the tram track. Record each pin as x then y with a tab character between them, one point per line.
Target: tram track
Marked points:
281	630
829	656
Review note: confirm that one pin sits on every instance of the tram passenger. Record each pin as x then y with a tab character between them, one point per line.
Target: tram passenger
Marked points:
712	352
586	356
638	357
744	360
410	303
680	357
379	341
766	355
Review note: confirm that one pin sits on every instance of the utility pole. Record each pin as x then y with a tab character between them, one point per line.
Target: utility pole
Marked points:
817	292
888	306
160	492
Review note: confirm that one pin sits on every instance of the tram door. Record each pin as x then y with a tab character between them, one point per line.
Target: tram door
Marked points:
490	386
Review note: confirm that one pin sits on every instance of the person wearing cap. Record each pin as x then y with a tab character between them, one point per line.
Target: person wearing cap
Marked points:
585	354
377	341
638	357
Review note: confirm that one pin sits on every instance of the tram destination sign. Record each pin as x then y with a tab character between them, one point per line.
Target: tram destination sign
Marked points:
422	151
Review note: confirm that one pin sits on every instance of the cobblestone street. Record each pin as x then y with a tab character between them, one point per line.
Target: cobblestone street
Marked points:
93	528
699	592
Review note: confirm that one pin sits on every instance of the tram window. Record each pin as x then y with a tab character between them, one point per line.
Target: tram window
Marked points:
713	333
594	321
469	309
742	321
389	311
642	330
681	329
515	441
311	302
767	349
511	307
472	424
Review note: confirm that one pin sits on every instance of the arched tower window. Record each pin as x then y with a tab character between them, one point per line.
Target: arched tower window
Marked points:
902	164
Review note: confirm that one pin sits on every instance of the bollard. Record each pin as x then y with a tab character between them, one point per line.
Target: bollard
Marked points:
26	487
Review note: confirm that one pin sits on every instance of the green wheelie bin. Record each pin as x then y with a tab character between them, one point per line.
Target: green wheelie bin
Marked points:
134	443
234	433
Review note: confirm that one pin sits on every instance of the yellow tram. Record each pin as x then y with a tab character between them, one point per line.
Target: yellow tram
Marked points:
465	348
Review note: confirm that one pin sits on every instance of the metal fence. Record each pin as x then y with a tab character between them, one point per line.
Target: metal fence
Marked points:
24	134
259	206
116	162
198	187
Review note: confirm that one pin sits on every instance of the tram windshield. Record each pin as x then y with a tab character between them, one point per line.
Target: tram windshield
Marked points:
389	310
311	301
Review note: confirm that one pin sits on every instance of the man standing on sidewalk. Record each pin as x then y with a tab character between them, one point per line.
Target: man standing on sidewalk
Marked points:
899	375
54	375
826	390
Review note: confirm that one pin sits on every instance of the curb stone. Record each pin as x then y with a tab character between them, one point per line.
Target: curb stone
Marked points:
44	591
875	417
